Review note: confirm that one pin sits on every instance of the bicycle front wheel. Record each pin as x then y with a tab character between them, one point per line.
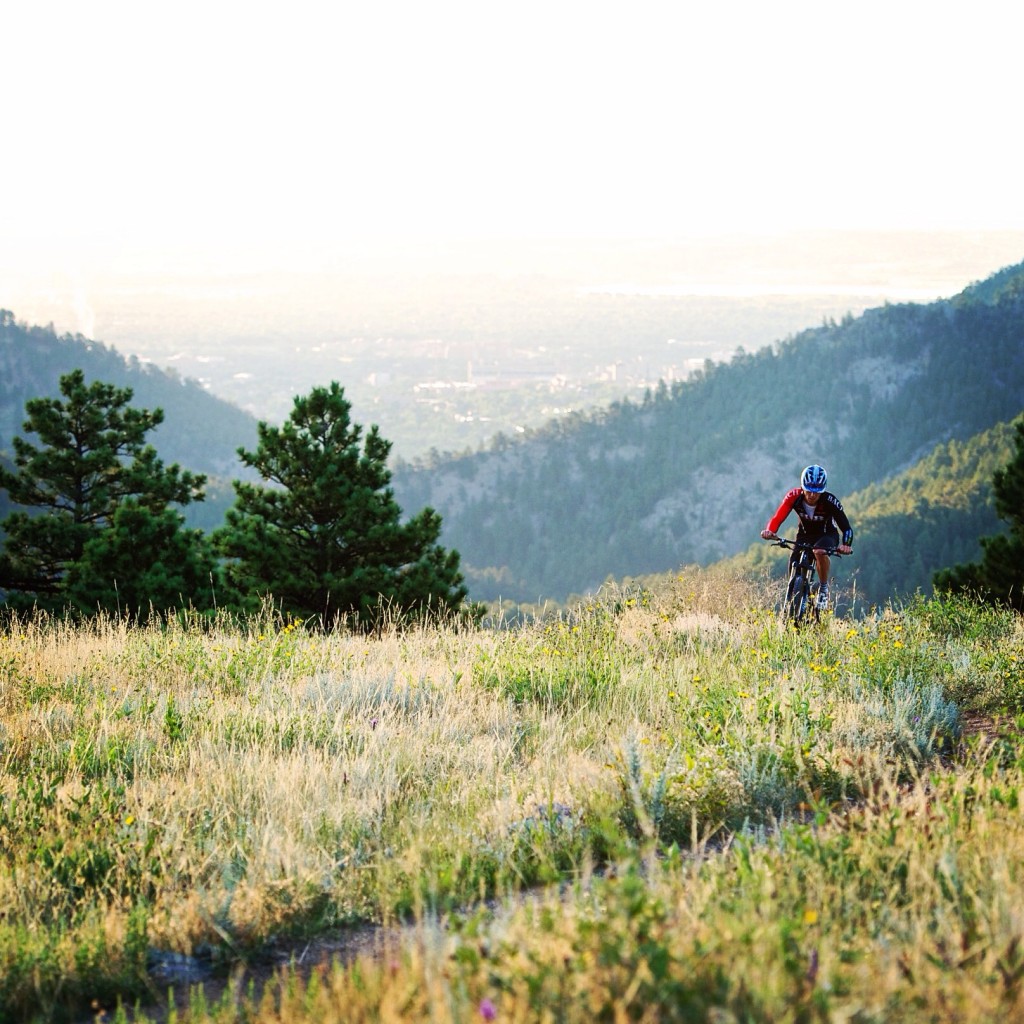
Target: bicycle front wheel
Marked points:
797	597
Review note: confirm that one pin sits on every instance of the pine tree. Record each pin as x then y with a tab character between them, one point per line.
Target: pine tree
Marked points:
324	540
999	576
92	462
145	561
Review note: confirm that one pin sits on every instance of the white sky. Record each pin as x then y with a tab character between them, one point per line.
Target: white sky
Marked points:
217	127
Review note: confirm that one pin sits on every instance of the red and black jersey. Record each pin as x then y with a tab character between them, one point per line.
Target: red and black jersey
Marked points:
815	520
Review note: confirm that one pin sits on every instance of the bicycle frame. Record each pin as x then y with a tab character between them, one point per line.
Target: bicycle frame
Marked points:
798	606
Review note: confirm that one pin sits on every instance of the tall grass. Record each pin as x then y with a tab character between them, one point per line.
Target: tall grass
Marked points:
751	820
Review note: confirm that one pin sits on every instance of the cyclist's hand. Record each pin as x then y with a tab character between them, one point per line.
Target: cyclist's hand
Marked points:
768	535
844	549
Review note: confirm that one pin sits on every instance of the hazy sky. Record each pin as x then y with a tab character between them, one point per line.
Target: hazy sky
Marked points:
218	127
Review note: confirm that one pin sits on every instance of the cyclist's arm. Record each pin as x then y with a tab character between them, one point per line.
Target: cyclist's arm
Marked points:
782	511
842	521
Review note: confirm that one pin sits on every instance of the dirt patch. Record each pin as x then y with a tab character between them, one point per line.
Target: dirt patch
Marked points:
985	729
174	978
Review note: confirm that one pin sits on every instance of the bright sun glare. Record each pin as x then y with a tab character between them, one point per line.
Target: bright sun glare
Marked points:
222	126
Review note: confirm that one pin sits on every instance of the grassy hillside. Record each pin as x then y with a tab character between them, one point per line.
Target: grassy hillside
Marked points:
736	821
687	475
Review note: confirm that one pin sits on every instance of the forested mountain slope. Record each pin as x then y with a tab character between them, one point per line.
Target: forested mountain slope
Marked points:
926	518
691	474
200	432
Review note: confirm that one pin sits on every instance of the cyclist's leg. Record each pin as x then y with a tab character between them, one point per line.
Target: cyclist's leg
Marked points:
825	546
823	564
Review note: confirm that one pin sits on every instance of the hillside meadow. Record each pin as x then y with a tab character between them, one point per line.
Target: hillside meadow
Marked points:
663	805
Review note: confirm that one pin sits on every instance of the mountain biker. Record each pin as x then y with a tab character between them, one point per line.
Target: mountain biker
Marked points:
823	524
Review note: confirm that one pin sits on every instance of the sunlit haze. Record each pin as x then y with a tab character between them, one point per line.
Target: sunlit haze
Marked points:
217	133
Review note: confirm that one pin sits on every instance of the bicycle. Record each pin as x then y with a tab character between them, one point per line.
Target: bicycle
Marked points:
801	582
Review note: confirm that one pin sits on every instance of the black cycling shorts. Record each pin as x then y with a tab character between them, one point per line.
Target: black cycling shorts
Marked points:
828	541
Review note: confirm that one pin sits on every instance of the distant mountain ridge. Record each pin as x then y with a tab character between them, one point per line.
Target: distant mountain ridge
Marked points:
691	473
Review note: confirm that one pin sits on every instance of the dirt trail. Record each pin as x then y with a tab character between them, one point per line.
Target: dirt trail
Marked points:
174	978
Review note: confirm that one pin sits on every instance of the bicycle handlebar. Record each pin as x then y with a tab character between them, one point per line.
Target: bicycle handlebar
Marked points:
784	542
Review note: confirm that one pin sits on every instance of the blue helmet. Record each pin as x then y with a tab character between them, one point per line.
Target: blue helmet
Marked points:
813	479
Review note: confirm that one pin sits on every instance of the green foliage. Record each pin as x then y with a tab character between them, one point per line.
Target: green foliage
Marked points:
77	850
575	660
676	802
98	532
143	561
325	539
959	617
999	576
